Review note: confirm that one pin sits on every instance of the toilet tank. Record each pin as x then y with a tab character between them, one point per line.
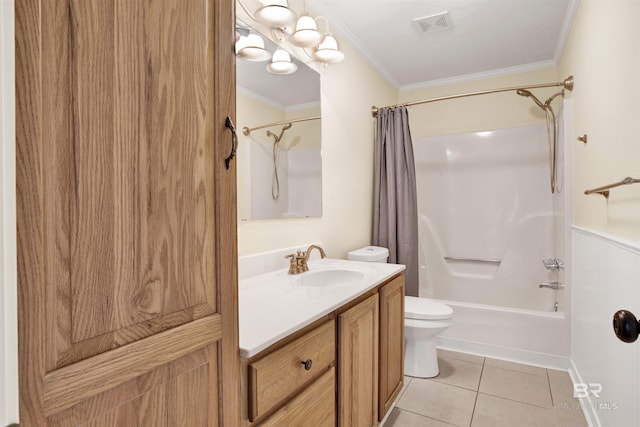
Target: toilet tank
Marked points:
369	254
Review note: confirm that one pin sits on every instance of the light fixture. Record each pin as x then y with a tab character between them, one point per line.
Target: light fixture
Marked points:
302	39
275	13
252	48
281	63
306	33
327	52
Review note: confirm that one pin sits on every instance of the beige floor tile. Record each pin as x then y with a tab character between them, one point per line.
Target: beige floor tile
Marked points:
439	401
466	357
493	411
525	388
400	418
570	416
567	408
561	387
459	373
519	367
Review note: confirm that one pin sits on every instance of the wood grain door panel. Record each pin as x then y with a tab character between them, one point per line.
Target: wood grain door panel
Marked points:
125	212
169	395
129	206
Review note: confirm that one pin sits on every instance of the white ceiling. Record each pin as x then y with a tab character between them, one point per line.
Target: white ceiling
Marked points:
485	37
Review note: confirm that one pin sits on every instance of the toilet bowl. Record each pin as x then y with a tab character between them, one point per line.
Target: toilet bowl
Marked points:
424	319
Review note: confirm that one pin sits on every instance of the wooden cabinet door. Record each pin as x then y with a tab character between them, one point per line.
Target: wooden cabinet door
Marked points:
358	365
391	374
126	212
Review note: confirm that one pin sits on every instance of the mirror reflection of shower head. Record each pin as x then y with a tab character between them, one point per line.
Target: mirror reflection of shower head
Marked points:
526	93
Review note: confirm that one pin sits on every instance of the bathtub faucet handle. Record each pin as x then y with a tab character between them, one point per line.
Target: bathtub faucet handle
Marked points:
553	264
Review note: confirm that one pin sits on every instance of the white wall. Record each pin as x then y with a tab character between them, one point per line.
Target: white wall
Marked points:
603	53
349	89
8	288
607	269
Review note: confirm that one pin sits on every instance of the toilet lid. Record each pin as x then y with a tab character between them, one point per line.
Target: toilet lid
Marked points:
423	308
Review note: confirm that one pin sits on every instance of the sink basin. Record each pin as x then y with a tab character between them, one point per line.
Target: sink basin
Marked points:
330	277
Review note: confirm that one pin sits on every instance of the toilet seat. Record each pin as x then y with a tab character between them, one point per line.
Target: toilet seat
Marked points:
425	309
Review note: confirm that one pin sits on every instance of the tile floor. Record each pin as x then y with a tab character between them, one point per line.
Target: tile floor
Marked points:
478	391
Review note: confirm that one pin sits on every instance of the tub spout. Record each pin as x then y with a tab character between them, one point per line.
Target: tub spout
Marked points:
552	285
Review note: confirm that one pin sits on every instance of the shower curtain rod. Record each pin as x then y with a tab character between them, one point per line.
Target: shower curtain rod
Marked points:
566	84
246	131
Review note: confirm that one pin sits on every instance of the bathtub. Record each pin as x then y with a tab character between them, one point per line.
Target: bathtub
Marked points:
524	336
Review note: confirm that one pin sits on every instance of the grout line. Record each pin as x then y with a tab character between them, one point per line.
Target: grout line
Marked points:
425	416
553	401
473	413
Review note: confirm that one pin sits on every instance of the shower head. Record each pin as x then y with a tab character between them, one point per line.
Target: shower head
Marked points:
551	98
526	93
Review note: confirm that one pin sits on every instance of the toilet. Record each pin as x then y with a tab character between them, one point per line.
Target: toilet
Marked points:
424	319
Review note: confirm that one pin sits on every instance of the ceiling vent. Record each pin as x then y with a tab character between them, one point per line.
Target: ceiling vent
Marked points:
432	23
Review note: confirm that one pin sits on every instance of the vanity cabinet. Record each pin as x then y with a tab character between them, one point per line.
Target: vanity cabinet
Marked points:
358	364
278	375
391	372
344	369
314	406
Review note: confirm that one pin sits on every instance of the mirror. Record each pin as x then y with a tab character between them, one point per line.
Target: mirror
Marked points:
279	158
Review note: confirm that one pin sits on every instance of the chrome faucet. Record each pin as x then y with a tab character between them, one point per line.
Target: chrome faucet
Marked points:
552	285
298	261
553	264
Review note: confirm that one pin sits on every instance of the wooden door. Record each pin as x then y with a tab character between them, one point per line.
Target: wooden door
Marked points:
391	374
126	212
358	365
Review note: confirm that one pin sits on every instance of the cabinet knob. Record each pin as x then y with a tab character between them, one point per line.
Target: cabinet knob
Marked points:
307	364
626	326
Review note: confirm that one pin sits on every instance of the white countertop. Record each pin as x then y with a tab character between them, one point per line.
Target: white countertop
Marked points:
275	304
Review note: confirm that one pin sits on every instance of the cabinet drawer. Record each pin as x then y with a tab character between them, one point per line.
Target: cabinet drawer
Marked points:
314	406
278	374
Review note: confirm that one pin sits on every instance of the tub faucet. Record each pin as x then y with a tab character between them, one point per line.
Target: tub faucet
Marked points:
298	261
552	285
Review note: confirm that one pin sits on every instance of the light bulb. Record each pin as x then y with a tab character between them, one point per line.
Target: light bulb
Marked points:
306	34
328	51
281	63
252	48
275	13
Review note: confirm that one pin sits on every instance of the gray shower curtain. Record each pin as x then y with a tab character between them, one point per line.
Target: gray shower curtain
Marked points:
395	216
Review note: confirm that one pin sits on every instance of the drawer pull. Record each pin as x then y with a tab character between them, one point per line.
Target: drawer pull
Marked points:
307	364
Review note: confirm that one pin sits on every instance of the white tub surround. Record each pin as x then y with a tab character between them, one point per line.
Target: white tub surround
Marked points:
487	218
274	304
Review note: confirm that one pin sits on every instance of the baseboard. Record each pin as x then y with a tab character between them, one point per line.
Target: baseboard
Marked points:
587	405
504	353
